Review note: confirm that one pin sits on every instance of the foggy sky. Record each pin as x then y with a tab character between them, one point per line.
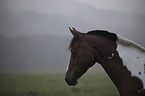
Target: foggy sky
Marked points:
67	6
128	6
89	11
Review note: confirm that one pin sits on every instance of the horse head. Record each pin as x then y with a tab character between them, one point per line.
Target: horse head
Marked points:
82	57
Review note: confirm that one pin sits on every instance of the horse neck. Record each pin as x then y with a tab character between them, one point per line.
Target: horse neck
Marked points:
120	75
113	66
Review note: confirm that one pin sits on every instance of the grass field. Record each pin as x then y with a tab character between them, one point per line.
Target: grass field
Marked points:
93	83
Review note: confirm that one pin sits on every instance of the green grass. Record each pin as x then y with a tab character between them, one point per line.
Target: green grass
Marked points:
93	83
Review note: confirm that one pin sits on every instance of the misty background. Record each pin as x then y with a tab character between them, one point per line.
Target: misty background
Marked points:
34	34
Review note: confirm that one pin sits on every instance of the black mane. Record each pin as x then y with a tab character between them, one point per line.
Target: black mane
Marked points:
102	33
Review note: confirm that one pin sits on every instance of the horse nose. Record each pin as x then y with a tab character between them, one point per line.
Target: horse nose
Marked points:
68	79
71	80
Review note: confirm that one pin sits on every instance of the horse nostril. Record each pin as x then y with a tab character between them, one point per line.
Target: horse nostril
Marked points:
67	78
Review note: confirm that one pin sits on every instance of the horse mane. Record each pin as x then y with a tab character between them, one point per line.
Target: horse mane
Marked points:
102	33
113	37
128	43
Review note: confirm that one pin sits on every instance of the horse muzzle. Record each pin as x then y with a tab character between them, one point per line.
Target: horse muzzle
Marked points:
71	80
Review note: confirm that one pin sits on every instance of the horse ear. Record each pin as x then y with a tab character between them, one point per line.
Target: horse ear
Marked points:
75	33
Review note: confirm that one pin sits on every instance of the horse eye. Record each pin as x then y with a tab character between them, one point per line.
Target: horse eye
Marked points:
73	52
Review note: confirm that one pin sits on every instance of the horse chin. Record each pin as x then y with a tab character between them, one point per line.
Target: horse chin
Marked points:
74	83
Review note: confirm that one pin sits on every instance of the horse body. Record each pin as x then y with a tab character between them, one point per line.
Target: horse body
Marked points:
104	47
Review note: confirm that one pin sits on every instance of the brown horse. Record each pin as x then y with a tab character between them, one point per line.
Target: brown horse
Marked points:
122	59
